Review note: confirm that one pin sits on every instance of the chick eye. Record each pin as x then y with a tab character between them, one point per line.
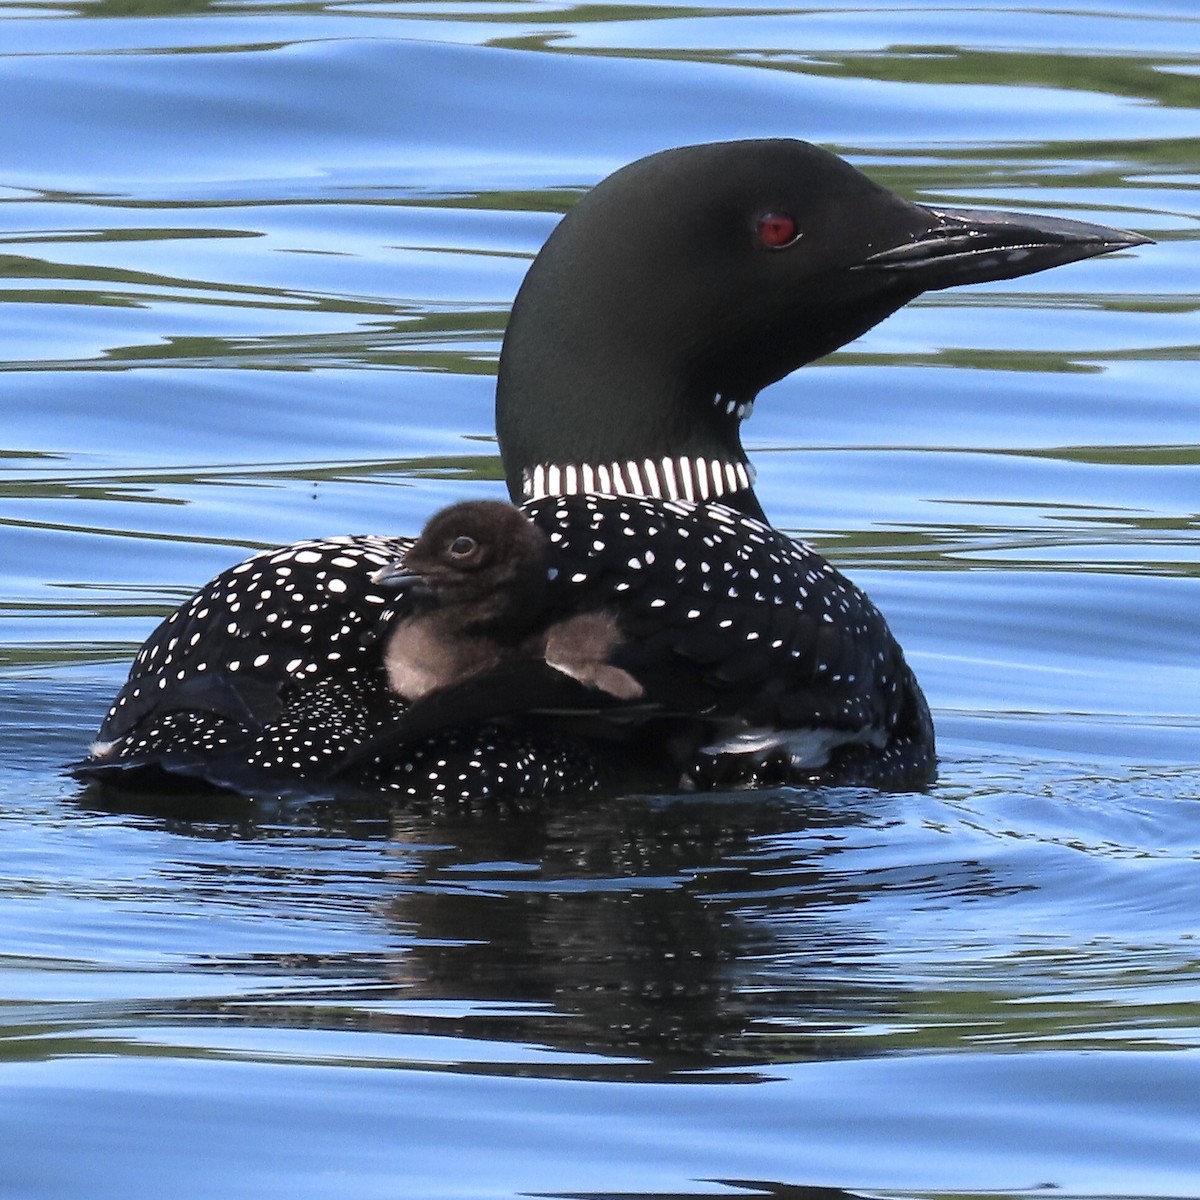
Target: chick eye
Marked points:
462	546
776	230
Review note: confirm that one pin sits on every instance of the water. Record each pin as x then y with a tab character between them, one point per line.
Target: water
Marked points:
256	264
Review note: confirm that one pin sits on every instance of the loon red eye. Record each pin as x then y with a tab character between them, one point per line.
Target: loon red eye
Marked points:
462	546
776	230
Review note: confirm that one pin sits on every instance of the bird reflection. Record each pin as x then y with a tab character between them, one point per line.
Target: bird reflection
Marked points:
633	937
669	935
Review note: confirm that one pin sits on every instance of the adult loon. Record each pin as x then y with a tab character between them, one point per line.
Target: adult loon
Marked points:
660	306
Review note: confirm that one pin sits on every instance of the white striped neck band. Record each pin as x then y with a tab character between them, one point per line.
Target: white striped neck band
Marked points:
664	478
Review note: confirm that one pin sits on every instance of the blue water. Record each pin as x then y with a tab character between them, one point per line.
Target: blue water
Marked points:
256	262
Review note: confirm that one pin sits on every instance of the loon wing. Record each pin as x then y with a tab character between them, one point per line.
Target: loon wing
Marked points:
726	618
226	664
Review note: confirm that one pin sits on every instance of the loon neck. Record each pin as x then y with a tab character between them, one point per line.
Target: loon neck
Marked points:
668	478
645	450
574	415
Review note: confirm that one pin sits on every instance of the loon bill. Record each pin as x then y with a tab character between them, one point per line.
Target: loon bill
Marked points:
665	300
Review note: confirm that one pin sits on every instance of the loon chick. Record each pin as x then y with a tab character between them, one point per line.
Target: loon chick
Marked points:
478	579
660	306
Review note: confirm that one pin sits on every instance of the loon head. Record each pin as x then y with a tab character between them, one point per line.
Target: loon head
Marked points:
484	558
686	282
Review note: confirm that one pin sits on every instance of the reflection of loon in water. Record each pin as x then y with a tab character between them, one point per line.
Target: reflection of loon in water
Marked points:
645	937
662	304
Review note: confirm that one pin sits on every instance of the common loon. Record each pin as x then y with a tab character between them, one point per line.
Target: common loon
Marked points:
659	307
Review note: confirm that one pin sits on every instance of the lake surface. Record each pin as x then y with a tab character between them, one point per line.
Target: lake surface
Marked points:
257	259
